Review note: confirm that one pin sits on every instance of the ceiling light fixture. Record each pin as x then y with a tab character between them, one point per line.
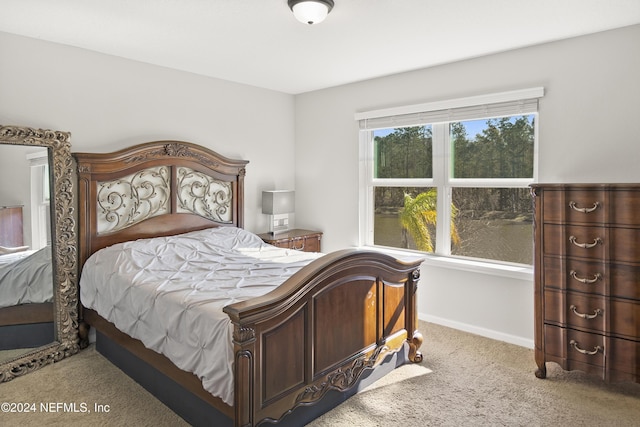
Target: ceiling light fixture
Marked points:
310	11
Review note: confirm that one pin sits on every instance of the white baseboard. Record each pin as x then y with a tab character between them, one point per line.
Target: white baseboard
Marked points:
489	333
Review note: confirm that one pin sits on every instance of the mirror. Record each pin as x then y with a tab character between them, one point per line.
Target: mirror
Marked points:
38	326
26	266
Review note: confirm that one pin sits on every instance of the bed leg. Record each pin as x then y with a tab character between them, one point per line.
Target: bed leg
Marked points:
414	341
414	344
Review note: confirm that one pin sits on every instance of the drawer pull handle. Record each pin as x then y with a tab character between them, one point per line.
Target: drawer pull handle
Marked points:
584	315
574	206
573	240
596	277
596	349
297	248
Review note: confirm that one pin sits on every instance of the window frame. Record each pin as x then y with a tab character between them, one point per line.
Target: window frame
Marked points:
441	179
40	201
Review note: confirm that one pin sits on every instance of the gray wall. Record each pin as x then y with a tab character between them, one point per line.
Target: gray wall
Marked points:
109	103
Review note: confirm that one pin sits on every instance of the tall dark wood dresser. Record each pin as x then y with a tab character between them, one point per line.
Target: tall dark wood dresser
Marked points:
587	278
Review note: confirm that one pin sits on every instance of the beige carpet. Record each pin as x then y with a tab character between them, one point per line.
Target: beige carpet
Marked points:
463	380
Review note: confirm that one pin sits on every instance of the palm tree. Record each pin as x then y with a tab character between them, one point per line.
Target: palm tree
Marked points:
418	215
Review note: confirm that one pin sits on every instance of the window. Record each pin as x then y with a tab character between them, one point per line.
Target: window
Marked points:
40	199
451	178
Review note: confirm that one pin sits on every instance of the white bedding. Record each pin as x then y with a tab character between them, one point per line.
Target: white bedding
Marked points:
169	293
26	277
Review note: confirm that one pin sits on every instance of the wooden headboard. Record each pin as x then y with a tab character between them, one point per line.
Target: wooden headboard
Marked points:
155	189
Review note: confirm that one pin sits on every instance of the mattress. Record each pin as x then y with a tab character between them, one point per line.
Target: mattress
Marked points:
26	277
169	292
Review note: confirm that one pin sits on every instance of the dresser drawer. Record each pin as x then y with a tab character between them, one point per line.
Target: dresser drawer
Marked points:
585	351
283	244
599	243
577	241
574	206
300	244
596	277
592	312
578	350
592	206
307	244
300	240
580	311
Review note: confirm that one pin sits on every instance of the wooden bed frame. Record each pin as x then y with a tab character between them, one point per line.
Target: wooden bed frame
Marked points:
26	325
338	323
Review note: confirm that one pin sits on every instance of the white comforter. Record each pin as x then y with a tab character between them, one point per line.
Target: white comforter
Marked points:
26	277
169	293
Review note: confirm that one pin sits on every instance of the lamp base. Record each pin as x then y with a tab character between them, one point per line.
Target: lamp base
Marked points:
278	223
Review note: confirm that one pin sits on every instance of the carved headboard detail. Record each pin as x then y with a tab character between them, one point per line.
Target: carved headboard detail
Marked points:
156	189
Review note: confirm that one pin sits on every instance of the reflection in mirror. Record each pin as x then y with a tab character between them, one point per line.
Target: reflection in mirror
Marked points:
26	275
38	294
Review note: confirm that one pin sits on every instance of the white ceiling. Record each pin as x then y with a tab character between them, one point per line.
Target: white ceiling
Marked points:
259	42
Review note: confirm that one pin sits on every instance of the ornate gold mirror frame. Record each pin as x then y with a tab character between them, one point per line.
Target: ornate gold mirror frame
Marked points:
64	250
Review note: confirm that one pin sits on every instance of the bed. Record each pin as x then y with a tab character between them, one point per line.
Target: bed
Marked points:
26	298
312	330
26	277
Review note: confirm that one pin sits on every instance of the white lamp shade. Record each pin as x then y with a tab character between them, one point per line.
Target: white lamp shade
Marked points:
310	12
278	202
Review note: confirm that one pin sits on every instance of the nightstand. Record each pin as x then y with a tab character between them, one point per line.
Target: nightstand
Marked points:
300	240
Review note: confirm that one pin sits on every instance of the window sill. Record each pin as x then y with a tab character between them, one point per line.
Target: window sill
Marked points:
514	271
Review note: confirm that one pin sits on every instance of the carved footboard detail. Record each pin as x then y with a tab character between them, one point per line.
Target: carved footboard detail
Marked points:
342	379
321	331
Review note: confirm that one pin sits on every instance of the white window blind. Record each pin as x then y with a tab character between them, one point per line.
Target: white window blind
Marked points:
472	108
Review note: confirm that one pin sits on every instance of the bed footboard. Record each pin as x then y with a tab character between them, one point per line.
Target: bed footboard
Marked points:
321	331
